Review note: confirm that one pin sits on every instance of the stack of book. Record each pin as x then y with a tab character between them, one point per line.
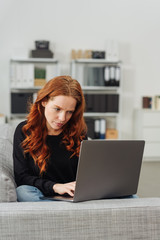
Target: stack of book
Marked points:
27	75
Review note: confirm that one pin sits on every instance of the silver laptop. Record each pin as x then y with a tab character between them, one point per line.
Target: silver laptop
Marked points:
107	169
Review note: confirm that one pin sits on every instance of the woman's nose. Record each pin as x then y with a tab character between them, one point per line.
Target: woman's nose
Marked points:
62	116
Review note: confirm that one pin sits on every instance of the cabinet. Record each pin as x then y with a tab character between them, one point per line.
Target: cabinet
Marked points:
101	83
27	76
147	127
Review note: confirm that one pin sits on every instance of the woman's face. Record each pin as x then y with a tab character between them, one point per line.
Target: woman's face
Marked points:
58	112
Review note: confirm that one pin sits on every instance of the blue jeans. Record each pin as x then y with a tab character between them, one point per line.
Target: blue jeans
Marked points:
26	193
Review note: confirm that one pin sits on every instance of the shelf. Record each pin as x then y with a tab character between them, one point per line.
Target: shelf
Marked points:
83	88
99	88
100	61
34	60
86	114
149	110
25	90
96	114
18	115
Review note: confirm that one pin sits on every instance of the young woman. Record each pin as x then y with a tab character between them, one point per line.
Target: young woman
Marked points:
47	144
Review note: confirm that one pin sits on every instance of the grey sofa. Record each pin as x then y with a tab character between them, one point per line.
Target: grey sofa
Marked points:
102	219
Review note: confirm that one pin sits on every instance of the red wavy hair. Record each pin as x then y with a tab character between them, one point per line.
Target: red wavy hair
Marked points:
36	131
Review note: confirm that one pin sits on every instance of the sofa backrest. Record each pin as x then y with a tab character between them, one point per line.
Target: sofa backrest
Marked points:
7	183
7	131
6	150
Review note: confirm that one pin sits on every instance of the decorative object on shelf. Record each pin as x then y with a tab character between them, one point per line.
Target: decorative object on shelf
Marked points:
39	76
147	102
111	133
98	54
42	50
151	102
157	102
42	44
112	51
87	54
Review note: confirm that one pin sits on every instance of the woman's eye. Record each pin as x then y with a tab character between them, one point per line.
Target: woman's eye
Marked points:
70	112
57	109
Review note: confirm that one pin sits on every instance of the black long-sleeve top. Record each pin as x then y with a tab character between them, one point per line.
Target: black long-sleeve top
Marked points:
60	169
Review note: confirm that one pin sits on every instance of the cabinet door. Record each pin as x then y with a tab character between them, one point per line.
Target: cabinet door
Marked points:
147	127
151	118
151	134
152	150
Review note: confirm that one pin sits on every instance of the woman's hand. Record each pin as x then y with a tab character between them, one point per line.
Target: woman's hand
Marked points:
68	188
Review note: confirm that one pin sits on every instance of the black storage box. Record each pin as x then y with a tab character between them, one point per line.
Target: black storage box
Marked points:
19	102
102	102
90	126
98	54
42	44
41	53
112	103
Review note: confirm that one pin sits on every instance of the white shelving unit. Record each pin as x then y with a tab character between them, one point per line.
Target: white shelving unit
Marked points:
147	127
34	60
77	72
25	69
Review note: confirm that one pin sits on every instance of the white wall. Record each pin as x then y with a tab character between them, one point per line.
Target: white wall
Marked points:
87	24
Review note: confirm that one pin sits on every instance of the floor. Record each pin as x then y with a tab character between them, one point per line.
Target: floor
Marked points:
149	183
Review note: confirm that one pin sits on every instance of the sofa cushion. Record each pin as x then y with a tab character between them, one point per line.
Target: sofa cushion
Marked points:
7	131
7	185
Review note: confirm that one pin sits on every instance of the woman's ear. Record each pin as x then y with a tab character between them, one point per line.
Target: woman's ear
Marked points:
44	103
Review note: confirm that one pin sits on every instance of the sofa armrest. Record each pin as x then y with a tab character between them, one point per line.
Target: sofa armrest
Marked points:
101	219
7	185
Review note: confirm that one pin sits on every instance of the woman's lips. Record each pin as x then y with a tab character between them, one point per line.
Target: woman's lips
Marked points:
59	124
